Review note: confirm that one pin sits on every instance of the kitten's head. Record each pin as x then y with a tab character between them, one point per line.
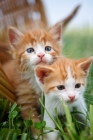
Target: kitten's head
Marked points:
35	46
65	78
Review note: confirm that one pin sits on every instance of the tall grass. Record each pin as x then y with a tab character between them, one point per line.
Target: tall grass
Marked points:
77	44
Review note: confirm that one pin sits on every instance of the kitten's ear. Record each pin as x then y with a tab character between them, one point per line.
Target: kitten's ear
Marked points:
14	36
84	64
42	72
56	31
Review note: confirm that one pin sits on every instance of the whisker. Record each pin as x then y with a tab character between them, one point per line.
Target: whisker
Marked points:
55	103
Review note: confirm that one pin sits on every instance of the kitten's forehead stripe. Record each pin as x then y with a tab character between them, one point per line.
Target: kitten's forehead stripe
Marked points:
39	48
69	72
70	79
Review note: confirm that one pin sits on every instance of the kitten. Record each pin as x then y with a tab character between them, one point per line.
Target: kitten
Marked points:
29	50
64	79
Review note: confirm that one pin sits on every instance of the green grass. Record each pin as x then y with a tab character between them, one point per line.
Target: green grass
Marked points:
77	44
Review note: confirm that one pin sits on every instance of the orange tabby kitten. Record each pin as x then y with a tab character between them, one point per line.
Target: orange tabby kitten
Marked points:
64	79
28	50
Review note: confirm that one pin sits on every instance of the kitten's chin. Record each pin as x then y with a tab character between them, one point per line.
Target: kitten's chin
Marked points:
39	63
71	101
42	62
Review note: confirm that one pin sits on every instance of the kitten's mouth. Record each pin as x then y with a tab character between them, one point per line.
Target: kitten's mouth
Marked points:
71	101
41	62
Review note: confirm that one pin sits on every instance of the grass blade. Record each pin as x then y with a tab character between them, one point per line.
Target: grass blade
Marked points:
24	136
91	118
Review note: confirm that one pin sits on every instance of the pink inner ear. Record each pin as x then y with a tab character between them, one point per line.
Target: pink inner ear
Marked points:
58	33
12	36
86	67
86	64
41	75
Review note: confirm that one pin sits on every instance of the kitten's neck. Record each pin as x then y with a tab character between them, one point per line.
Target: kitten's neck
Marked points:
26	75
30	77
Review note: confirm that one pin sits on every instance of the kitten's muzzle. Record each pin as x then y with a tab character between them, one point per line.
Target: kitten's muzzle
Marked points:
72	97
41	55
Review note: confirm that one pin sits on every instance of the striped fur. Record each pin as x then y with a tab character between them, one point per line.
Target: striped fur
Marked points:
22	67
64	80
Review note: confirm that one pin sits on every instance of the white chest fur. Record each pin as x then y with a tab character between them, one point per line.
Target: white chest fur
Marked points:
31	77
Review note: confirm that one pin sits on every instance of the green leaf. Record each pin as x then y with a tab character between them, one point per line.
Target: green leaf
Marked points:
28	123
13	114
7	134
3	133
24	136
14	137
39	125
13	107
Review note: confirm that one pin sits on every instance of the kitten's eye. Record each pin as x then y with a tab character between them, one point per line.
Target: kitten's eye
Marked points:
78	85
30	50
61	87
48	48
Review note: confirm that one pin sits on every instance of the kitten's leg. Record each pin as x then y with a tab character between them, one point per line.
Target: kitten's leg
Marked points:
50	123
28	100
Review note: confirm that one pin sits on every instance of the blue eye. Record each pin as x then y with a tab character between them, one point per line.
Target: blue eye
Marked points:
48	48
30	50
60	87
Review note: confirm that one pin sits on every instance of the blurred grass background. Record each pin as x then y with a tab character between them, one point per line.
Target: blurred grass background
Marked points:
78	43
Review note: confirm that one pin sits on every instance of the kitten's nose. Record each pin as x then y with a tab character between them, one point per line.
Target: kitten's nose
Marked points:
71	97
41	55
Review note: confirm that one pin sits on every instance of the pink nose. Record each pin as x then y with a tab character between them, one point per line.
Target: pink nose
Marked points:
71	97
41	55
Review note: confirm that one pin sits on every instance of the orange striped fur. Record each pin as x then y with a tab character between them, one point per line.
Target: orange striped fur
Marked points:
20	71
65	79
